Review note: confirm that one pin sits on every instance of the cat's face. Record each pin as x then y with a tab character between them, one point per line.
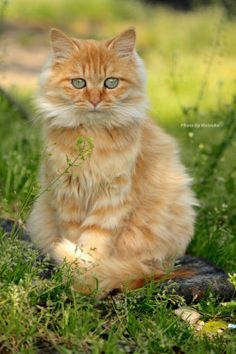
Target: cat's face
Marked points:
93	82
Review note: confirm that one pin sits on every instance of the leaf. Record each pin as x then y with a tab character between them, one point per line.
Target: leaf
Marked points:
214	327
188	314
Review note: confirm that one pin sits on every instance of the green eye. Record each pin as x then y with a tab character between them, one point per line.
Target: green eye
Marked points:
111	82
78	83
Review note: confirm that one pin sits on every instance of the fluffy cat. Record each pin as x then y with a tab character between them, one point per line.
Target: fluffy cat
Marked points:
125	212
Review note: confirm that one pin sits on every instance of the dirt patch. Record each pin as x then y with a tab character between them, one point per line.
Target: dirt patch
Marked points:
23	51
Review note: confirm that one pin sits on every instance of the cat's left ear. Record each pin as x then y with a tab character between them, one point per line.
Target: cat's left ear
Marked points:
124	44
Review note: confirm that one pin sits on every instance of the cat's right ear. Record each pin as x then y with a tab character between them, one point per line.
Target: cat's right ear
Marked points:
62	46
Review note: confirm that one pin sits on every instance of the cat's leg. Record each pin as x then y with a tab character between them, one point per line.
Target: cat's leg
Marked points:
96	242
138	254
105	219
112	266
98	232
162	235
147	244
100	227
122	248
41	225
95	245
46	234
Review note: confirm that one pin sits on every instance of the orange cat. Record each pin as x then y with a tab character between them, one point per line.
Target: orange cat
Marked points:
125	212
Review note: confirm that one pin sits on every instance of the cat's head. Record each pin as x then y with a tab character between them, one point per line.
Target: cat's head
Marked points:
93	82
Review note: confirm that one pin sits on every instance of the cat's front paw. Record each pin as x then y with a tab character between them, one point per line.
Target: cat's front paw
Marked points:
68	251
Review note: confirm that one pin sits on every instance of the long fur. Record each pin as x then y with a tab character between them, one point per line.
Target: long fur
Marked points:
126	211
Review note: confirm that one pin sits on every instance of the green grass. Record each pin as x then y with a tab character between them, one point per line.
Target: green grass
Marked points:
182	55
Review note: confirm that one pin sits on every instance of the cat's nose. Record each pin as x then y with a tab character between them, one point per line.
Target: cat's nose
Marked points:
94	101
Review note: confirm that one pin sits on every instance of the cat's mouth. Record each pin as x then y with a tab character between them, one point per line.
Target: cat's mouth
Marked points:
95	111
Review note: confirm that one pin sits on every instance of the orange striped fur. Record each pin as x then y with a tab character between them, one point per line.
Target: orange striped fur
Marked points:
127	211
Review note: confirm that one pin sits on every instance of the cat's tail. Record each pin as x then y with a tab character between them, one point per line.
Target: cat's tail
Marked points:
124	275
114	274
192	278
107	275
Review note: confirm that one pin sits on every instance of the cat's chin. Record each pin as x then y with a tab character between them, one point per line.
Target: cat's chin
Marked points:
64	116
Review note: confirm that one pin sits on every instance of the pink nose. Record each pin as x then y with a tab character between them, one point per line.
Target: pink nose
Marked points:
94	102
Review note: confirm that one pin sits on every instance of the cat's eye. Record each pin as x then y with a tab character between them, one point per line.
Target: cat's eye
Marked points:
78	83
111	82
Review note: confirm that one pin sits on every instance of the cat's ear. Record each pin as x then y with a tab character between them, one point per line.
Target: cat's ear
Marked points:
62	45
124	43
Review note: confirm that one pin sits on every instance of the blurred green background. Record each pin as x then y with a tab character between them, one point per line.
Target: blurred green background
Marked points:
189	55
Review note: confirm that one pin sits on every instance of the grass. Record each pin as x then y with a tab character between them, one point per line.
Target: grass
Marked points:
46	315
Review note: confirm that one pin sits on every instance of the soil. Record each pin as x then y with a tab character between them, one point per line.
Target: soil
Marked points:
23	50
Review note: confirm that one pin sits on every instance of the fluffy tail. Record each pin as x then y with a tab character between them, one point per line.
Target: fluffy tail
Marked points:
106	275
114	274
